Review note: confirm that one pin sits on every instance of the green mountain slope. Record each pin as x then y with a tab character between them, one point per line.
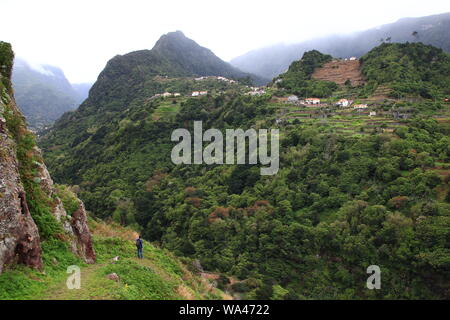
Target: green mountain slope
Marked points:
43	95
44	230
271	61
409	69
353	190
159	276
298	78
413	70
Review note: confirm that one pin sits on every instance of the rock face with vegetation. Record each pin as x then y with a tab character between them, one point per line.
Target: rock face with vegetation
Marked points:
30	208
44	229
19	236
83	239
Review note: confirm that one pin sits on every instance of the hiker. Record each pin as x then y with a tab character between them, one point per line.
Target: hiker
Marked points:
139	247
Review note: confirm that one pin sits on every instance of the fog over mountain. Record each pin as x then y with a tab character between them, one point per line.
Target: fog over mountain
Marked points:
270	61
44	93
230	28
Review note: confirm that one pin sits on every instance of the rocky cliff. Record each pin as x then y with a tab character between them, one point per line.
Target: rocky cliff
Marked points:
30	210
19	236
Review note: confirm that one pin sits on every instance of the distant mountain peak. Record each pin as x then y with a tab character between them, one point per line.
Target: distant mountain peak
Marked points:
174	36
177	41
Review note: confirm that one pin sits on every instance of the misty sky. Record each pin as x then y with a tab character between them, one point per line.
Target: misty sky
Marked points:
80	36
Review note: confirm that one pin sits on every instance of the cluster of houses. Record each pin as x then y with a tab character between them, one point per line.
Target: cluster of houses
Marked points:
255	91
166	95
220	78
174	95
226	80
293	99
199	93
312	101
344	103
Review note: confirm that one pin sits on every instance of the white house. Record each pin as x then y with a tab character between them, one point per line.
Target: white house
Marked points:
278	81
203	93
343	103
292	98
372	114
353	59
195	93
312	101
256	93
177	94
167	94
360	106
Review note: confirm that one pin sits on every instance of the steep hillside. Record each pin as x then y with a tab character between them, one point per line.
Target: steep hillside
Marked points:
353	189
271	61
187	58
43	95
32	213
409	69
299	79
44	230
116	275
131	78
413	70
340	72
82	90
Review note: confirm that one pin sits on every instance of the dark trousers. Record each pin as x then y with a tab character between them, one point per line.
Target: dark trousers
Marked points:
139	252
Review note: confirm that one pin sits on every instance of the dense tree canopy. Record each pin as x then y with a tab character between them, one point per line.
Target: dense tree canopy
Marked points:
339	203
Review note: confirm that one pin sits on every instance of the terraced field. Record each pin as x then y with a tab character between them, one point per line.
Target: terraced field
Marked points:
340	71
167	109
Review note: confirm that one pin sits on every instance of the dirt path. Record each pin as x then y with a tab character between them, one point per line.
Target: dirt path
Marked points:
94	284
93	287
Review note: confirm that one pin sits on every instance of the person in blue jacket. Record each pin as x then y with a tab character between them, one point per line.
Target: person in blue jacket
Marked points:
139	246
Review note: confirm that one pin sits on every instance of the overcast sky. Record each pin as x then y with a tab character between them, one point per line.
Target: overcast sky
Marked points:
80	36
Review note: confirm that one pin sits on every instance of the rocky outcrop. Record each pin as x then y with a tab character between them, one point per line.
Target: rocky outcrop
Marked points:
19	236
83	235
76	226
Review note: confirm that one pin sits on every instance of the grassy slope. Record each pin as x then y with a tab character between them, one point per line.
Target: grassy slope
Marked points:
158	276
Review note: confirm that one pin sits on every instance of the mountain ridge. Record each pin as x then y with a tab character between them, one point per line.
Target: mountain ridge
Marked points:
46	233
43	93
272	60
355	186
174	55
